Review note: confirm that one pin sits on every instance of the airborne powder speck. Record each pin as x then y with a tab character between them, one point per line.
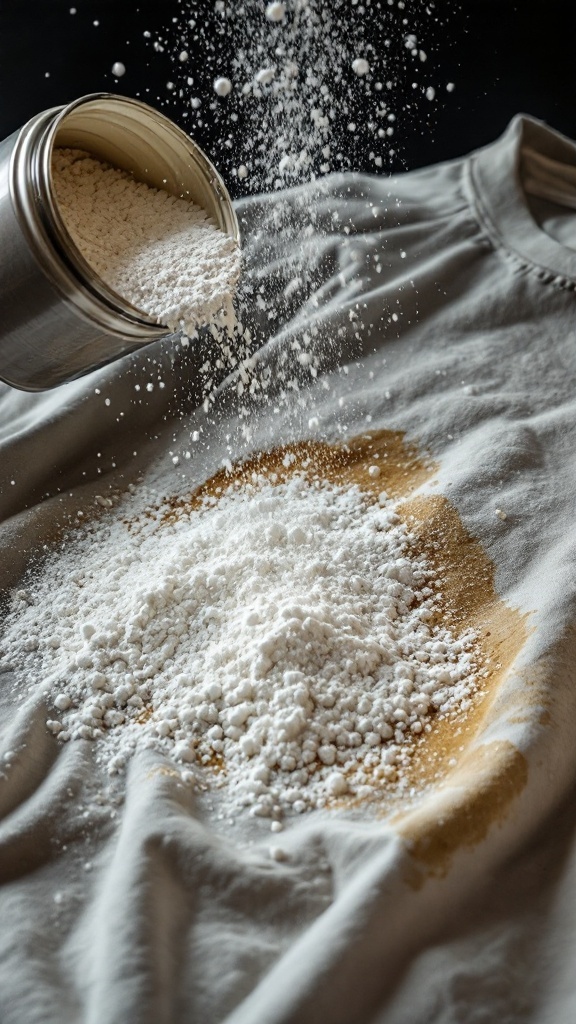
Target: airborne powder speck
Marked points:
222	86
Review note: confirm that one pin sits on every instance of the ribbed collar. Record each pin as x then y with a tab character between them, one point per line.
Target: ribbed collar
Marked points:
528	154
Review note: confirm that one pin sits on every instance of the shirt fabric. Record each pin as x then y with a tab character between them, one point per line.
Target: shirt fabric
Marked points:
461	282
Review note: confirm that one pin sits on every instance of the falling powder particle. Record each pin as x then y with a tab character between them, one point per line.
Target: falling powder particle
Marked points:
222	86
265	76
360	66
118	69
276	12
430	92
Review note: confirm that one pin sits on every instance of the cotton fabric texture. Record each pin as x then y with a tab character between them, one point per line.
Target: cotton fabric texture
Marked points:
157	913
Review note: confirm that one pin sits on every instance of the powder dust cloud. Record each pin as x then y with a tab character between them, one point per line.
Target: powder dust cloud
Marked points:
304	88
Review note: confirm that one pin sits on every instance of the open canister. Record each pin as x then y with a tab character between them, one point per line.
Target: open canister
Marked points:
58	319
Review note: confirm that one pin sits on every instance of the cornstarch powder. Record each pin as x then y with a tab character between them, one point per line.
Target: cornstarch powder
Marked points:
160	253
292	91
277	641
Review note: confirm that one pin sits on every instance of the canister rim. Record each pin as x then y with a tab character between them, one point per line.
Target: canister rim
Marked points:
38	212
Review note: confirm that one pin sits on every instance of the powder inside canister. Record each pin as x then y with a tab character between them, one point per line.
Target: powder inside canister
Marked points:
162	254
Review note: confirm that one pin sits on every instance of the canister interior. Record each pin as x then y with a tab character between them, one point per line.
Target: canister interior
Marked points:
138	139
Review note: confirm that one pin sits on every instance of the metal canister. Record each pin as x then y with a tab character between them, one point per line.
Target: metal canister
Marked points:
58	319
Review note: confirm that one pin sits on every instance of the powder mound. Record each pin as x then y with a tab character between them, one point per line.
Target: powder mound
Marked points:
162	254
278	641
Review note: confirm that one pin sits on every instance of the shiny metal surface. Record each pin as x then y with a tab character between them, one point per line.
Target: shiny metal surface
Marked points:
58	320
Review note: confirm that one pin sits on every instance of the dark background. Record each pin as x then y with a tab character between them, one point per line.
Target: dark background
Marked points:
503	57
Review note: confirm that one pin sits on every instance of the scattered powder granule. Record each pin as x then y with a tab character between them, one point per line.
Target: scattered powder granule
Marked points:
278	641
222	86
265	76
161	253
276	11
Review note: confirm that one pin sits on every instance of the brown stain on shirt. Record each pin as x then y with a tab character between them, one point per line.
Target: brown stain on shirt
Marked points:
468	600
466	786
402	467
472	785
477	795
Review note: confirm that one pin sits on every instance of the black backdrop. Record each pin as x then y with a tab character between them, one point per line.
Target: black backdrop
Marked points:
503	57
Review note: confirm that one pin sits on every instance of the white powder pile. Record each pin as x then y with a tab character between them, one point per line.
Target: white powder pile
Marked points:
278	640
161	253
